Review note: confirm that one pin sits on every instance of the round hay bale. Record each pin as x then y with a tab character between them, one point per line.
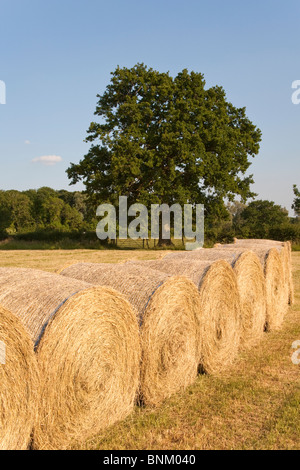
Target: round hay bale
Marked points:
167	308
278	278
284	249
275	284
19	384
88	353
260	247
257	241
288	247
207	254
219	313
286	258
251	287
284	254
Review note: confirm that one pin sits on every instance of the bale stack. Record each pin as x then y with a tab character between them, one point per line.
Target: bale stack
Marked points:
167	308
19	384
87	344
251	286
276	286
285	250
219	313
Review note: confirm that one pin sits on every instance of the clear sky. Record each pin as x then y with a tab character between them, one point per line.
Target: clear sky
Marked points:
56	56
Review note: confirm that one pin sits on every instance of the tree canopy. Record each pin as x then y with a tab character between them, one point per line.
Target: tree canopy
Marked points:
296	203
42	209
49	215
168	140
260	218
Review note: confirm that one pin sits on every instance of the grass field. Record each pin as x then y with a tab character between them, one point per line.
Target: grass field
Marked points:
12	244
254	405
53	260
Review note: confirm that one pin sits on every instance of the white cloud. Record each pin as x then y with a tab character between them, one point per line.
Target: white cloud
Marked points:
47	160
27	142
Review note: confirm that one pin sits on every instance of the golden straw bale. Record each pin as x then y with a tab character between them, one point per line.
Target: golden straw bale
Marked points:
19	384
276	286
251	285
88	353
167	308
220	310
284	249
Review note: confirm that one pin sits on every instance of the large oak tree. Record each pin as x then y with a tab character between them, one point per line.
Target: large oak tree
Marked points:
159	139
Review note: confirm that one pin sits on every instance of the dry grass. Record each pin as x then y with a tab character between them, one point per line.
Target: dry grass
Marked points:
53	260
255	405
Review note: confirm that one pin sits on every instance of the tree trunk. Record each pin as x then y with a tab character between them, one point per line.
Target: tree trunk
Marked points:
161	241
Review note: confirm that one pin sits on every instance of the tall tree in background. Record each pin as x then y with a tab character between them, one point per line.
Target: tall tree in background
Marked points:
259	218
168	140
296	203
42	209
15	212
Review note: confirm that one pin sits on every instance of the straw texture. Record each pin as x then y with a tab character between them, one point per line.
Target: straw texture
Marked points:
88	353
276	288
19	384
167	308
284	249
220	311
251	286
288	248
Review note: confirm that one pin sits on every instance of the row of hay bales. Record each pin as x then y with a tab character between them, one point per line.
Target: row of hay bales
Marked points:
86	344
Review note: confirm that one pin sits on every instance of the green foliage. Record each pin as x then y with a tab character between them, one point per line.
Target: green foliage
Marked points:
44	210
64	219
160	139
296	203
259	218
63	243
288	231
15	212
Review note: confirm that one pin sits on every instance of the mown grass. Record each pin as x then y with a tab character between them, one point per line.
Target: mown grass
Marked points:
253	405
12	244
54	260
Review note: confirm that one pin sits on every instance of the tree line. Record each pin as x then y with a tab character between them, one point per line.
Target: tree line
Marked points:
44	210
45	213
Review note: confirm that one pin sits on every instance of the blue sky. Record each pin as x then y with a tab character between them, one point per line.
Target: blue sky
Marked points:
56	56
